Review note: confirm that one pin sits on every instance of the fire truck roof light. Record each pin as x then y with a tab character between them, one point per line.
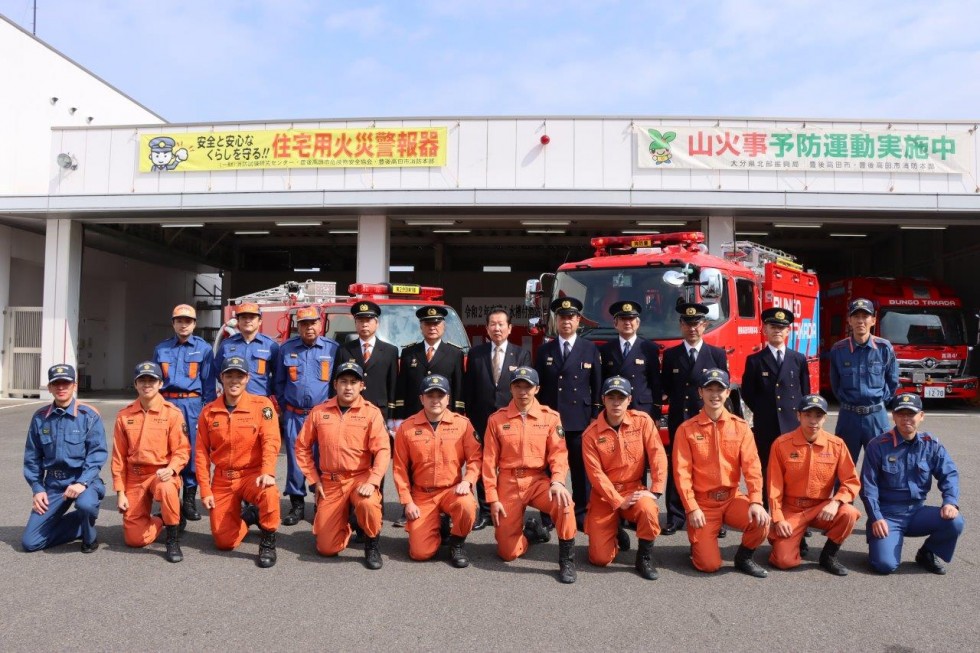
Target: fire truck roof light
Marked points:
395	289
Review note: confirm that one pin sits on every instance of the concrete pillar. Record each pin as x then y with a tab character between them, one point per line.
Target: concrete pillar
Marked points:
117	367
62	285
373	252
5	236
718	229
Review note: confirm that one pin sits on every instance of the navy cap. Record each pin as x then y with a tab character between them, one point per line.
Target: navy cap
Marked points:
617	384
810	402
148	368
162	144
61	372
432	313
715	375
233	363
434	382
625	309
566	306
777	316
692	312
907	401
528	374
860	304
350	367
365	309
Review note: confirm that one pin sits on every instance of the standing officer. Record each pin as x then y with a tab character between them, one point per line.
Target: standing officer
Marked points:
804	466
378	359
524	464
149	449
617	449
188	383
571	384
684	365
634	359
239	435
431	449
895	480
712	452
354	453
64	453
774	382
864	377
487	384
259	350
302	382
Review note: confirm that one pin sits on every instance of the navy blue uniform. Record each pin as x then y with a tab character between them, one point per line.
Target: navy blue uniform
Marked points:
446	361
261	355
380	372
64	446
895	479
641	368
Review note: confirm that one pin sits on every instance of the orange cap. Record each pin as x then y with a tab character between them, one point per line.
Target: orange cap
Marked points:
250	308
184	310
307	313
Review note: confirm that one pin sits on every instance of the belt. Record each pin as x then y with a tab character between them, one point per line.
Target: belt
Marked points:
430	490
863	410
144	470
803	502
340	476
627	484
522	472
180	395
298	411
716	495
58	475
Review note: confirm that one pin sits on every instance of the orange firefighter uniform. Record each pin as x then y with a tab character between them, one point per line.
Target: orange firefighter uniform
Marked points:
242	445
615	462
801	483
709	459
354	450
142	443
518	453
428	467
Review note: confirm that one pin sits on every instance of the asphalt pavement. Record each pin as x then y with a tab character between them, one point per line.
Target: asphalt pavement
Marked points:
132	599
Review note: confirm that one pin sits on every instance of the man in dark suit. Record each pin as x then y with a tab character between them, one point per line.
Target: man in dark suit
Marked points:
378	359
571	383
680	378
486	384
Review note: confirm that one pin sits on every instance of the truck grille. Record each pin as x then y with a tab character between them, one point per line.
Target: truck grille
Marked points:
930	369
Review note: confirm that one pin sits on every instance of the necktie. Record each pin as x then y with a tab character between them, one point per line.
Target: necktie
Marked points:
367	351
497	359
693	355
626	350
429	353
779	358
566	350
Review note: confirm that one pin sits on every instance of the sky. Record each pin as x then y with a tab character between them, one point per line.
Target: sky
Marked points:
225	60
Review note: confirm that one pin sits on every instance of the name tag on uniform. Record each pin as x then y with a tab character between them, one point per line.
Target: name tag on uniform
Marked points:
794	455
293	356
549	360
586	366
847	363
765	374
415	363
506	427
640	361
601	440
676	371
891	459
418	431
699	437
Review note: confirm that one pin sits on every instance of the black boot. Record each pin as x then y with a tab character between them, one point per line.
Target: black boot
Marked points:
535	532
174	554
250	514
804	548
445	526
267	549
457	552
929	561
566	561
644	560
188	508
372	556
828	559
623	539
745	563
723	533
297	510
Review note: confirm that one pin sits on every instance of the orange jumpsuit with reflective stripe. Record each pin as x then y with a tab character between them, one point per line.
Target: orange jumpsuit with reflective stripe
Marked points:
615	462
354	450
801	482
709	459
428	467
142	443
518	451
242	444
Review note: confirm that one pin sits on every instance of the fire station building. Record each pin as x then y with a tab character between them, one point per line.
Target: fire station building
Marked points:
109	215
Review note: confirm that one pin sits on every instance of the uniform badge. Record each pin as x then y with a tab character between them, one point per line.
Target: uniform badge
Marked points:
506	427
601	440
560	431
587	366
294	356
676	371
765	374
46	431
794	454
415	363
640	361
326	416
267	412
892	459
213	425
184	428
699	437
130	422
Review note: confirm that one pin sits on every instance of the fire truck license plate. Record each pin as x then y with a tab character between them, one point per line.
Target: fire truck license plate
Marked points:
935	393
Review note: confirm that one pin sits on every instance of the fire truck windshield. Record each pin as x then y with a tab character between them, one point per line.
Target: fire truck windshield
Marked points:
599	289
922	326
398	325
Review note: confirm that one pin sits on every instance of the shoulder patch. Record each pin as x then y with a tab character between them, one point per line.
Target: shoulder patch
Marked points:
267	412
560	431
183	427
477	436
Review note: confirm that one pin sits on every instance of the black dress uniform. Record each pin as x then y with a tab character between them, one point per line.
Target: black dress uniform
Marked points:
381	368
680	381
572	385
640	365
447	361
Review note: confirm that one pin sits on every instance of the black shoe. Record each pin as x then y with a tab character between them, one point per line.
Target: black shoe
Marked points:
482	521
297	511
723	533
89	548
359	537
745	563
250	514
808	533
829	561
566	561
669	529
804	548
457	552
372	555
267	550
925	559
623	539
445	527
401	521
173	554
644	560
535	532
188	507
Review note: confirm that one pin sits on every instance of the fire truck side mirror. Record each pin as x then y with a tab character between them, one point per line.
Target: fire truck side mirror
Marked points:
532	290
674	278
712	285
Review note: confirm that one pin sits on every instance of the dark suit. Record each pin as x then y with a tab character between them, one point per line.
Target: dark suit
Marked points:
641	368
483	397
573	387
380	372
447	361
680	382
773	395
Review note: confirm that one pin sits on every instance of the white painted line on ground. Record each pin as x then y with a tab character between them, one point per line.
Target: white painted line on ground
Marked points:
29	403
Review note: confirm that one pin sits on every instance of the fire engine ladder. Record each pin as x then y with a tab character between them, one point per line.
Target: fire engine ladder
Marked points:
308	291
755	256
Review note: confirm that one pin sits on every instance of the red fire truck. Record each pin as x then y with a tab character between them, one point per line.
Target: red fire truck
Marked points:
922	319
657	271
